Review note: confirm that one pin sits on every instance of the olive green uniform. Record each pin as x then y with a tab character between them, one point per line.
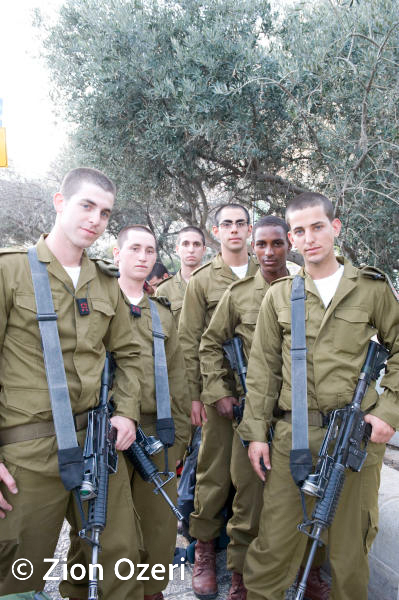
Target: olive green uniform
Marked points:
173	289
236	314
204	290
32	528
337	339
157	522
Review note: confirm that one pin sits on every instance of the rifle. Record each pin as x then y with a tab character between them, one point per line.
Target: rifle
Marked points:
101	459
139	454
347	436
234	354
233	351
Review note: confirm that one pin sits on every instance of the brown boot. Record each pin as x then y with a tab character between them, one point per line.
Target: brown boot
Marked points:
205	586
316	587
157	596
237	589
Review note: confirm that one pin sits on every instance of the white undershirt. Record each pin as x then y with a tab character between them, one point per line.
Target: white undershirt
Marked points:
73	273
135	300
328	285
240	271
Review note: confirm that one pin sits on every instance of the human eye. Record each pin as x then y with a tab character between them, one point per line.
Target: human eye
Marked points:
241	223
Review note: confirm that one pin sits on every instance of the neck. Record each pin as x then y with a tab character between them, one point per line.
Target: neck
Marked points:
131	287
272	276
235	259
186	272
63	249
324	269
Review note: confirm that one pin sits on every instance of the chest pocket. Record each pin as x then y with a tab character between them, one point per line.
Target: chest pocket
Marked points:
284	318
214	297
22	323
100	316
352	329
249	319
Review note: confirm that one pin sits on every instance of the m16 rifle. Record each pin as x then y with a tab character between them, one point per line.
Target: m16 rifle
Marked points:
234	354
101	459
139	454
344	447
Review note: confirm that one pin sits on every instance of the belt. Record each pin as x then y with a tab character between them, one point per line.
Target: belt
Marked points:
33	431
315	418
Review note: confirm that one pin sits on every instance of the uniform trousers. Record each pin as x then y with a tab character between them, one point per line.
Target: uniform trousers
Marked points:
32	528
223	460
274	557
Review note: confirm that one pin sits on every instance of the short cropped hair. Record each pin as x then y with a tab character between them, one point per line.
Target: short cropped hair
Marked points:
122	235
220	208
309	199
270	220
159	270
191	228
76	177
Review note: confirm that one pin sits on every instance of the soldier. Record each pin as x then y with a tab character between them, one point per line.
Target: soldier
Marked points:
158	274
236	314
344	308
91	317
204	291
135	256
190	248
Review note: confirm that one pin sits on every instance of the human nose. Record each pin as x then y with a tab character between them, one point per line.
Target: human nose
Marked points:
309	237
269	250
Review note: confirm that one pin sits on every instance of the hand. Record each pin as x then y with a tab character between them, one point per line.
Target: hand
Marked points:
198	413
126	432
381	432
11	485
256	452
224	406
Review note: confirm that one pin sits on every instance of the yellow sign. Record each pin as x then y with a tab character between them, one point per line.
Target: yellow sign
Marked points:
3	148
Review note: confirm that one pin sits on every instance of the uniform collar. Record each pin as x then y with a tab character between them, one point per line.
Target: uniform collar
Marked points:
87	271
260	281
218	263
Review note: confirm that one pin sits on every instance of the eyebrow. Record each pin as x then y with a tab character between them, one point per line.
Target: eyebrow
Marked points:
108	210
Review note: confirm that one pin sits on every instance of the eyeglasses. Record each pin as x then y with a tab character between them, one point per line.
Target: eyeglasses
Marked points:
229	224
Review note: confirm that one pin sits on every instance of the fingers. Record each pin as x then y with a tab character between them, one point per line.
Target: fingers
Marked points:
381	432
257	452
198	413
126	432
10	483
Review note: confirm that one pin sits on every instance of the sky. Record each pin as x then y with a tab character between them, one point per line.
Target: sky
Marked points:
34	134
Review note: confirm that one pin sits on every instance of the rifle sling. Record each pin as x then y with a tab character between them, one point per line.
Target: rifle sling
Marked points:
70	458
300	456
165	426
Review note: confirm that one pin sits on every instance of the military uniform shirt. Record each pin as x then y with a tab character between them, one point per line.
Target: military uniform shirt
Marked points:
24	396
173	289
337	339
180	403
204	290
236	314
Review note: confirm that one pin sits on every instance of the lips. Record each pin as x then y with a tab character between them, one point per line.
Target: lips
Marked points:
89	231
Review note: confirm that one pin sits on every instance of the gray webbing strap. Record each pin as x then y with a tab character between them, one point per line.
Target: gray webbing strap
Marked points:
300	436
300	457
55	372
165	425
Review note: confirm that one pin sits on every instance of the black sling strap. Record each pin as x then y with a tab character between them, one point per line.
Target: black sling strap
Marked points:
70	458
300	456
165	424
